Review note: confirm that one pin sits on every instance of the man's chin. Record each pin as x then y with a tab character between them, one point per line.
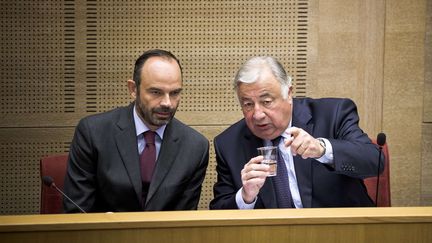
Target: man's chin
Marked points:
267	135
160	122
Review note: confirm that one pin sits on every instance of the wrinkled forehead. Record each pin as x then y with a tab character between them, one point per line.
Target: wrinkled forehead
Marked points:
259	89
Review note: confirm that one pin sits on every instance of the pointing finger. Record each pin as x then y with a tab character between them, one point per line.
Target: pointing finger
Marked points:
293	131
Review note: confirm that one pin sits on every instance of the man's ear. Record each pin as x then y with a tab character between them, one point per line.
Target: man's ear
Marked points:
290	94
132	88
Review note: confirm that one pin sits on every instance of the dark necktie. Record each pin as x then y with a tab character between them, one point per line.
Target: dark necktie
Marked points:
281	181
148	157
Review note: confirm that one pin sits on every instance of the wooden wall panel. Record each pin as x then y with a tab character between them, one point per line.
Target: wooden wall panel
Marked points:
33	59
427	114
346	53
20	151
403	96
426	169
211	44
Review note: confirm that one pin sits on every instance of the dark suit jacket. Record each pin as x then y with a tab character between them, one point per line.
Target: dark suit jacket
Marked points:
103	171
355	157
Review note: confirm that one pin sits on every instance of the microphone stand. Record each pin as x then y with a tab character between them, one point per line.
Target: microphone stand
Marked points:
378	175
53	185
49	181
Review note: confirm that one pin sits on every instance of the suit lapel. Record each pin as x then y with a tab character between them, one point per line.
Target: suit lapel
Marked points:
126	141
267	194
167	155
303	167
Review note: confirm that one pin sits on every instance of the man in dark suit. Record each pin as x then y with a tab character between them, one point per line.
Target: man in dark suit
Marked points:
139	157
323	154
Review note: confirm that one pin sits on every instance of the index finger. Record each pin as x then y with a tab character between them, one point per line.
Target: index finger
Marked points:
293	131
256	160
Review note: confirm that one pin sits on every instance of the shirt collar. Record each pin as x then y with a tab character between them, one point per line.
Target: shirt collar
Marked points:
141	127
285	134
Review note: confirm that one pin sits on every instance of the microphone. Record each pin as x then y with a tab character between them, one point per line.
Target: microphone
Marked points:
49	181
381	140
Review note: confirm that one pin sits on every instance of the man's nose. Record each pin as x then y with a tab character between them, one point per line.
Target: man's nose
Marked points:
166	100
258	112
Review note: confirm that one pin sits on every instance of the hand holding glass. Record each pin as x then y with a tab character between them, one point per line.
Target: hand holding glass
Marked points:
270	154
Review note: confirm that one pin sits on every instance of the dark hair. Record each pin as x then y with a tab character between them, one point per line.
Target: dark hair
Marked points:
147	55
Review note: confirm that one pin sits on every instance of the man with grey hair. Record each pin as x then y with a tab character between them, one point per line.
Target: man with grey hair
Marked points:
323	154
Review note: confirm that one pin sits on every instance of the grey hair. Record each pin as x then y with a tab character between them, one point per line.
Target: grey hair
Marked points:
252	69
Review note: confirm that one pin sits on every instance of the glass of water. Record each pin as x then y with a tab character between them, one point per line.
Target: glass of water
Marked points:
270	154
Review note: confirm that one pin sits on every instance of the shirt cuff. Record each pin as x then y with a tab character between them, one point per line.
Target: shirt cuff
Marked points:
241	204
327	158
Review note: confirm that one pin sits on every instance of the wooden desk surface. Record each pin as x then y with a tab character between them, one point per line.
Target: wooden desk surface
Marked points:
398	223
